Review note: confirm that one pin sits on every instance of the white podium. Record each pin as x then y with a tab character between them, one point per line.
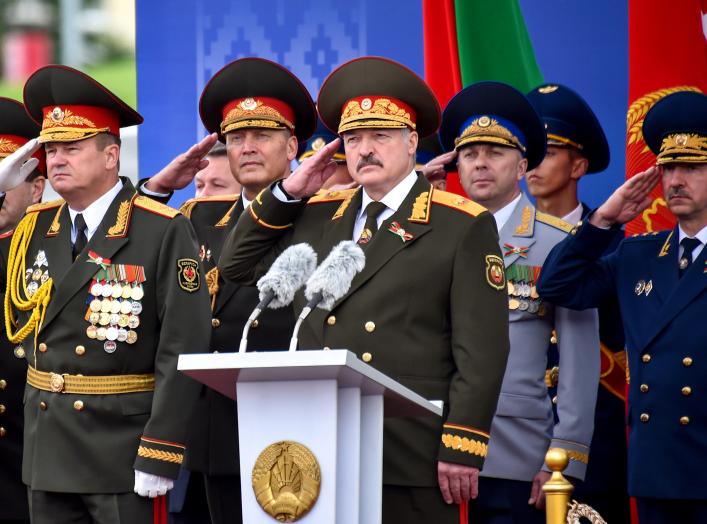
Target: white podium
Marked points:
330	402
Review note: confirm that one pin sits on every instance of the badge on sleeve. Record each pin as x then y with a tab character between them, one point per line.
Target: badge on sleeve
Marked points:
495	273
188	275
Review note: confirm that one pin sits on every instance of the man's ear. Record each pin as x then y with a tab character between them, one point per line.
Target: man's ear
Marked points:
522	168
412	141
579	167
38	189
292	145
112	152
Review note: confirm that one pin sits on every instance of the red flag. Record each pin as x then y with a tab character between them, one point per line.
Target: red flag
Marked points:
667	53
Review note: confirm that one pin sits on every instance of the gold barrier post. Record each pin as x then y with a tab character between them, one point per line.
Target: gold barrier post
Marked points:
558	489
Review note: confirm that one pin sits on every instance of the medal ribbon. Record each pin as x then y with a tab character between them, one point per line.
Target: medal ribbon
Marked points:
521	251
404	235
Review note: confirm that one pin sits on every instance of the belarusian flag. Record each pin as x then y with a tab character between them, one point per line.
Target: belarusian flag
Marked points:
667	53
467	41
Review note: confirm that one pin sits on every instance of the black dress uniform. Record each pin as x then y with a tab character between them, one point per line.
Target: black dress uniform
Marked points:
571	123
427	310
247	93
101	332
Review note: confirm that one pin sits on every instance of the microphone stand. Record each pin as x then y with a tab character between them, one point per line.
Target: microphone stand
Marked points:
316	299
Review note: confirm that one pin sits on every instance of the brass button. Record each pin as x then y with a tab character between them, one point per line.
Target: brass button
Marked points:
43	405
646	358
326	348
645	417
367	357
80	350
644	388
687	362
331	320
684	421
687	390
78	405
3	432
370	326
42	347
2	409
254	324
215	322
3	383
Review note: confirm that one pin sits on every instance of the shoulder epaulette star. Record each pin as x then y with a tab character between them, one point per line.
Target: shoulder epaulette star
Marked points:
553	221
155	207
331	196
457	202
43	206
648	234
188	206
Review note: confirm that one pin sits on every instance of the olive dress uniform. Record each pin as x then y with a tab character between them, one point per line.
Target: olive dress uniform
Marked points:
213	437
425	311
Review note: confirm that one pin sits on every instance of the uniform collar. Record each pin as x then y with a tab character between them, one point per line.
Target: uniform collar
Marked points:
394	198
701	235
93	214
575	215
502	215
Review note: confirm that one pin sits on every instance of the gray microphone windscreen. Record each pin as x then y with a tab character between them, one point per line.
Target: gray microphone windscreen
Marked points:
334	275
287	274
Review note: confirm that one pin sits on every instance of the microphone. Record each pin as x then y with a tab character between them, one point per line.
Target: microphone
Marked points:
277	287
330	281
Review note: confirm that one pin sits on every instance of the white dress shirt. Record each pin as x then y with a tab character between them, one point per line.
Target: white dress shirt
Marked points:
701	236
94	213
502	215
574	216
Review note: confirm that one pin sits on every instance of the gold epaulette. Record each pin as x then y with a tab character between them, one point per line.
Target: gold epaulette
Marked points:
553	221
7	234
326	195
188	206
155	207
43	206
457	202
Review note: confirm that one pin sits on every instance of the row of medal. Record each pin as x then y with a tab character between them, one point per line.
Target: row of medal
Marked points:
522	293
35	276
113	312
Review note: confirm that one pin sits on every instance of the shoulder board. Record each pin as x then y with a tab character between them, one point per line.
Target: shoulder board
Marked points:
331	196
43	206
187	207
155	207
7	234
458	202
649	234
553	221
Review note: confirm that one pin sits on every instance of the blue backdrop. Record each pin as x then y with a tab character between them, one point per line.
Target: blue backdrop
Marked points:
180	45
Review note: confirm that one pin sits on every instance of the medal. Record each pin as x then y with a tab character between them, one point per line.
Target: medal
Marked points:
126	307
114	319
117	291
107	291
95	305
649	287
131	337
513	304
136	308
41	259
101	333
115	307
32	288
109	346
104	319
526	290
122	335
137	293
511	289
45	277
523	306
133	321
640	286
94	317
533	307
112	333
91	332
96	289
127	291
19	352
37	274
123	321
106	305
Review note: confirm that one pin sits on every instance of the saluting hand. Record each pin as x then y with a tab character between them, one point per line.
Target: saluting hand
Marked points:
310	176
628	201
458	483
180	172
18	166
435	168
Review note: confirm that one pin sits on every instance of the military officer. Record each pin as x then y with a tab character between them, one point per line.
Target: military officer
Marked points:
445	333
261	111
341	179
661	280
577	146
101	319
498	136
16	129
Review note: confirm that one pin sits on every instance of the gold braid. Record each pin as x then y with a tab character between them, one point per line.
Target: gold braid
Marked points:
16	280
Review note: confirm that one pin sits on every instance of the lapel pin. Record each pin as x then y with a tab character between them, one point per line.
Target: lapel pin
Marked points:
640	286
396	229
97	259
649	287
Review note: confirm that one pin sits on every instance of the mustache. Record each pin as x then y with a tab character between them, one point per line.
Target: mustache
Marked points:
676	192
369	160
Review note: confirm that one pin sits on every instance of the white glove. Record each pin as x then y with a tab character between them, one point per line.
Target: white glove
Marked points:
18	166
148	485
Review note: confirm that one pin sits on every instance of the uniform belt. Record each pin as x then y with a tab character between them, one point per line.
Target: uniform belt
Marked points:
90	385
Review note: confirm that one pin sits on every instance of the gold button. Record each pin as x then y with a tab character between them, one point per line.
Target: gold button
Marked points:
687	390
2	409
3	432
644	388
43	405
80	350
254	324
367	357
370	326
684	421
78	405
645	417
215	322
646	358
687	362
42	347
3	383
326	348
331	320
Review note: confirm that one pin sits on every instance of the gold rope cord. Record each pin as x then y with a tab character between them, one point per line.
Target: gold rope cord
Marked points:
39	302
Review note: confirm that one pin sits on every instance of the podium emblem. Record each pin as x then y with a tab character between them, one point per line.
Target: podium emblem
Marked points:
286	480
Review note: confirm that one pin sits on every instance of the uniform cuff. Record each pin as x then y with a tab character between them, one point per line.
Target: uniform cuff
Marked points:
159	457
463	445
578	455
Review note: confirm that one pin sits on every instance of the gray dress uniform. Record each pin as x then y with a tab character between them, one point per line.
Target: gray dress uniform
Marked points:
523	428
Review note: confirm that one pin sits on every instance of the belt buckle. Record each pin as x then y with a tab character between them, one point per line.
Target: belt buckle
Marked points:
56	383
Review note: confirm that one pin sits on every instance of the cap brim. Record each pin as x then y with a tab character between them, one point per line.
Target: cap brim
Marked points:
376	76
681	112
257	77
14	120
